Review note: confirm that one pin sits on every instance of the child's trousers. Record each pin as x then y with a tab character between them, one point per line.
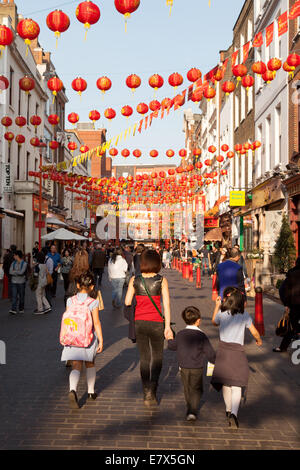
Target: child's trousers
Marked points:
192	380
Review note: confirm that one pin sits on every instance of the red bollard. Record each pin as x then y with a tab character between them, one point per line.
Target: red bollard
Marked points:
214	288
191	273
198	278
259	314
185	271
5	287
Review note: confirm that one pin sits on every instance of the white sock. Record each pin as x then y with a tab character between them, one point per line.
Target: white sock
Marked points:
74	379
236	396
91	379
227	397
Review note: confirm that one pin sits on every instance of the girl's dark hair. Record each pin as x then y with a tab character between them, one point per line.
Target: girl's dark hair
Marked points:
117	252
140	248
67	250
150	262
233	300
85	281
40	257
190	315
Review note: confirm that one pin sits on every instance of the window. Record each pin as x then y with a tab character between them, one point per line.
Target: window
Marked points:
11	86
28	106
278	134
250	98
8	154
250	30
36	164
27	164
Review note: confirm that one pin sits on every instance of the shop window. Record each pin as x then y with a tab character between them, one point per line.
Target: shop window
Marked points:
248	238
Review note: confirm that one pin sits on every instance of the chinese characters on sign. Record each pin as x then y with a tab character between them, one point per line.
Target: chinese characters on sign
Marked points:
7	182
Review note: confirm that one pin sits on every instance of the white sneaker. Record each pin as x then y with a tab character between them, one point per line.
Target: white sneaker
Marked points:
39	313
191	417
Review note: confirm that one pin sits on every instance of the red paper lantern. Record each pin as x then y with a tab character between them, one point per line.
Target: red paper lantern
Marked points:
79	85
4	83
193	75
53	119
142	108
94	116
126	111
110	113
26	84
239	71
35	121
288	68
228	87
9	136
220	159
182	153
20	139
175	80
219	75
197	152
113	152
156	81
88	13
190	167
162	174
274	64
35	142
238	148
224	148
247	82
268	76
6	37
53	145
208	162
198	165
73	118
230	155
166	103
28	30
126	8
170	153
20	121
84	149
137	153
293	60
55	85
154	153
257	144
197	95
104	84
133	81
247	146
259	67
58	22
6	121
209	93
125	153
72	146
155	105
212	149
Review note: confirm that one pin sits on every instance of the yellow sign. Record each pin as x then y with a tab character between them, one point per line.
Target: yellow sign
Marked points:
237	198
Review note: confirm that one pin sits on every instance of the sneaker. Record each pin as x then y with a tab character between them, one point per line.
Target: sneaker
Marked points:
42	312
92	396
47	310
191	417
21	311
73	400
13	312
233	422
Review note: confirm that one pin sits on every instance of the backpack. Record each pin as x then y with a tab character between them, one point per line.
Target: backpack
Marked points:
77	324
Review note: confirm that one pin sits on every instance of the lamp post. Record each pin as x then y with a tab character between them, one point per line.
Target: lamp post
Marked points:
40	224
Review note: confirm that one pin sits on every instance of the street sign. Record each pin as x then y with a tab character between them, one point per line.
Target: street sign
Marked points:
237	198
7	179
41	224
211	222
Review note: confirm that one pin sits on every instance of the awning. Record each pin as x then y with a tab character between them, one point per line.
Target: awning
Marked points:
214	235
63	234
10	213
54	221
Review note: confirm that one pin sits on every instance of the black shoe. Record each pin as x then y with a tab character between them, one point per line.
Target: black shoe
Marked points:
73	400
13	312
228	413
92	396
233	421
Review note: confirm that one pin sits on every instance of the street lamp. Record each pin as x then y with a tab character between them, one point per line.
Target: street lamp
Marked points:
41	225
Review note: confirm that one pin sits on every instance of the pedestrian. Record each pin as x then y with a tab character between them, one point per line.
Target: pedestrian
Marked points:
150	326
224	254
136	258
56	265
40	269
80	266
242	262
205	261
166	259
98	264
129	260
66	266
50	266
35	251
81	333
289	293
7	261
117	269
214	258
230	273
17	272
193	350
231	370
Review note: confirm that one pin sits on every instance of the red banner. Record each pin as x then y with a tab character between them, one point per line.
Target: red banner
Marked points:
211	222
258	40
234	58
269	34
246	48
282	24
295	11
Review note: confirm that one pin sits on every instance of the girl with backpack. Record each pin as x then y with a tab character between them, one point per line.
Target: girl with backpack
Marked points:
81	336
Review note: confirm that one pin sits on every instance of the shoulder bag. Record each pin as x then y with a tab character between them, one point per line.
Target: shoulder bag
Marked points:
283	326
154	304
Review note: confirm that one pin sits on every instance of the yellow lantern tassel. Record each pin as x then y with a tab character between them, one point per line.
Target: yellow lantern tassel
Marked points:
1	50
170	4
27	42
57	35
87	27
127	15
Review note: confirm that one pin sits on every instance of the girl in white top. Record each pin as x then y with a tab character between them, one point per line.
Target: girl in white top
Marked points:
117	268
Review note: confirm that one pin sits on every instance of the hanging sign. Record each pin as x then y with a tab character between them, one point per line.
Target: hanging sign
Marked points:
237	198
7	180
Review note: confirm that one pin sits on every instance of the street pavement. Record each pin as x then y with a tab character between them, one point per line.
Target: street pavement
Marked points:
34	387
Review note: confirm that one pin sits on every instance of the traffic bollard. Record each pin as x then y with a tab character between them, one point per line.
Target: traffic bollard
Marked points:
5	287
259	314
214	288
198	278
191	273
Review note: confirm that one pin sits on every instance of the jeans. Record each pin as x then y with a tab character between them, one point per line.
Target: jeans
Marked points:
98	273
205	265
150	343
18	294
192	380
117	290
54	285
66	281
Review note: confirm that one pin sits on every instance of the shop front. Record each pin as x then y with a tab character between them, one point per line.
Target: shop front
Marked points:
293	189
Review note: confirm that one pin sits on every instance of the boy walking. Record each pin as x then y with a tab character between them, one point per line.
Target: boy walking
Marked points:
193	349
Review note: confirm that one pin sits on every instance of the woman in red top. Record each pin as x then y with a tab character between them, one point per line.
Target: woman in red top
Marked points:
150	327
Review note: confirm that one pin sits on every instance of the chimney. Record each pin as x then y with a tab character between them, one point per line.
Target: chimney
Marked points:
9	8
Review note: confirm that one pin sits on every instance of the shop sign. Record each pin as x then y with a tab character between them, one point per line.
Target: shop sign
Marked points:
7	180
237	199
211	222
40	224
199	204
267	194
247	221
36	204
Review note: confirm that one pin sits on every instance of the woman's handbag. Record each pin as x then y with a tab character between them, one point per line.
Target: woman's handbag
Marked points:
283	326
100	300
49	279
33	282
154	304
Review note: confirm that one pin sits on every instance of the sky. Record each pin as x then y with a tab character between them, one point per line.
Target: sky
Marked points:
155	42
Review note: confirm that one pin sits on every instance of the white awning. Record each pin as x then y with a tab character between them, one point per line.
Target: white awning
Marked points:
10	213
54	221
